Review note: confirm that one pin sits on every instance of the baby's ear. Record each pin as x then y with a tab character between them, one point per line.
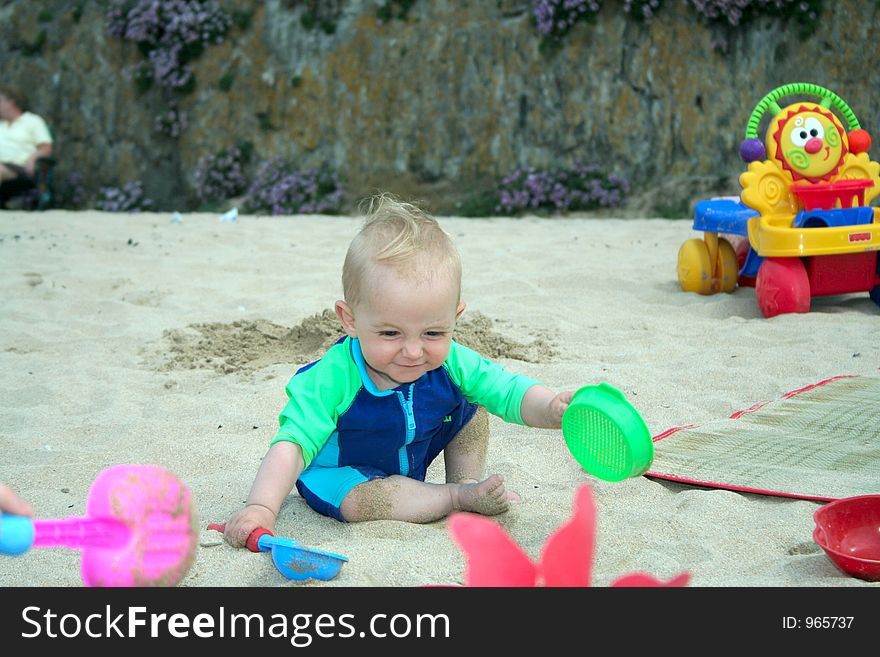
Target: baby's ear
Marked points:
346	317
460	310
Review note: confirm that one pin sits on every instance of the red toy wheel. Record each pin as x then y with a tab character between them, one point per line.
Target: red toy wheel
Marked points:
782	287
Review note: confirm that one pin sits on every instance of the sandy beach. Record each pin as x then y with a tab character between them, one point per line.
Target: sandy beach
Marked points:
130	338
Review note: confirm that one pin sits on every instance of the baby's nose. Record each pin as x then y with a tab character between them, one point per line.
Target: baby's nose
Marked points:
412	348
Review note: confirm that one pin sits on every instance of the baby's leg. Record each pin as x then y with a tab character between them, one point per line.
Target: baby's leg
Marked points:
465	455
409	500
465	458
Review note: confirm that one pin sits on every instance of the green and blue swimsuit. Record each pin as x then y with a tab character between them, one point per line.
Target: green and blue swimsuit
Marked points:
351	432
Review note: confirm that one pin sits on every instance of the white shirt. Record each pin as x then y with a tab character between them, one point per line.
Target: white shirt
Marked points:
19	140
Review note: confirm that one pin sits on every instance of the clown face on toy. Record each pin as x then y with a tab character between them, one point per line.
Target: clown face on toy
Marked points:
808	141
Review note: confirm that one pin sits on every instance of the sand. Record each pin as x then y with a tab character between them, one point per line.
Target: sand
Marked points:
134	339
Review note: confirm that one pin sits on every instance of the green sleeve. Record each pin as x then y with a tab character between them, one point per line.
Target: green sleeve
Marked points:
317	397
486	383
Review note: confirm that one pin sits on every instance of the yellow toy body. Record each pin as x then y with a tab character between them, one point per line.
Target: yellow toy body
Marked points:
773	236
805	198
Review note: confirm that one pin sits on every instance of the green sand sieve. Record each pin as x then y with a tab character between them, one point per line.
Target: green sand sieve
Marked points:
606	435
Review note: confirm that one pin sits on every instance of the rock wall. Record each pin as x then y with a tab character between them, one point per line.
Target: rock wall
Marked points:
444	102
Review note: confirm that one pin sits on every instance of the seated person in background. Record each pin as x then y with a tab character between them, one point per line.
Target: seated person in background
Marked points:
24	136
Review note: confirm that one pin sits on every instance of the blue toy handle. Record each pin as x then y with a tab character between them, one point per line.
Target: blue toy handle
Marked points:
16	534
265	542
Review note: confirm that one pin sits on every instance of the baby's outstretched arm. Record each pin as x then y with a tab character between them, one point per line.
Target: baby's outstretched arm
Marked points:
278	472
12	503
543	408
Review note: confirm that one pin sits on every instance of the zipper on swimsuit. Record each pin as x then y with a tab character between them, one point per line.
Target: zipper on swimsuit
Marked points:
407	406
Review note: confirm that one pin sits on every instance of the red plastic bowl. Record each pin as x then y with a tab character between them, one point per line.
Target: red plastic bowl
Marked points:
849	532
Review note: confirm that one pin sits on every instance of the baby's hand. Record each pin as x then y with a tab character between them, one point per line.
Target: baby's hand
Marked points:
242	523
558	404
543	408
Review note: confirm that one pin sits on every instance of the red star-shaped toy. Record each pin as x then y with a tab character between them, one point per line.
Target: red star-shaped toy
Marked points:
494	558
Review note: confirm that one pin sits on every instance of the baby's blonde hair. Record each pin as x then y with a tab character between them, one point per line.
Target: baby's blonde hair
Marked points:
404	237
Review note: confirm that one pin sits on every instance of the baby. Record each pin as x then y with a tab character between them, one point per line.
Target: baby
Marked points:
364	422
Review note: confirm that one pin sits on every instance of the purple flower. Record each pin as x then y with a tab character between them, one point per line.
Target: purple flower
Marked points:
169	32
221	176
644	9
555	17
130	198
279	189
171	122
559	190
733	11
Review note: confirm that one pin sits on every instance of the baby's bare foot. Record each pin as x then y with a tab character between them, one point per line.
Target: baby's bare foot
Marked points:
487	497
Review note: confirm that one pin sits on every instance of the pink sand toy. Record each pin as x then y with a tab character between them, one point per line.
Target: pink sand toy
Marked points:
140	529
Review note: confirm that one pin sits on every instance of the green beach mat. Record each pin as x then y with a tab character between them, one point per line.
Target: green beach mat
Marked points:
821	442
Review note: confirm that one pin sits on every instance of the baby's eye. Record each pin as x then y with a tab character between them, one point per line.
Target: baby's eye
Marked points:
389	334
435	334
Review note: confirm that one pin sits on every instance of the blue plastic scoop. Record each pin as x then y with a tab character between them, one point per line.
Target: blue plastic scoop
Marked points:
294	560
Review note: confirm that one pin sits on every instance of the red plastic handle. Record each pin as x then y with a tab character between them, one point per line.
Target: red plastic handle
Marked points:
253	540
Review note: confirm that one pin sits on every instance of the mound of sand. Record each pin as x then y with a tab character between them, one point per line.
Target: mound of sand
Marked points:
245	346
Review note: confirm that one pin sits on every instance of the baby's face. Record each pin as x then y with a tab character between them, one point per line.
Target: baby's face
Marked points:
405	328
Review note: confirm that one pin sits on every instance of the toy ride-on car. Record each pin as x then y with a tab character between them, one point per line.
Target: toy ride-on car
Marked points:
802	226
